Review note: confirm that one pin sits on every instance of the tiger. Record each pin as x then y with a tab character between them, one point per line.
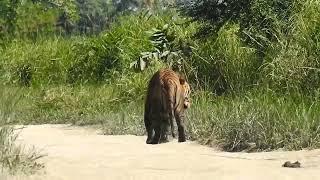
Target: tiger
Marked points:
167	98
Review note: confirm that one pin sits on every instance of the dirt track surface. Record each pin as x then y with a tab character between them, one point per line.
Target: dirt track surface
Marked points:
75	153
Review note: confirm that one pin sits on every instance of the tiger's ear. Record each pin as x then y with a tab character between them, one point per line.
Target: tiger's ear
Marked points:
182	80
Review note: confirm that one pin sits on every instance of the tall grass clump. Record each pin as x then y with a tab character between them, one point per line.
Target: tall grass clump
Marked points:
292	62
224	62
13	157
256	121
43	61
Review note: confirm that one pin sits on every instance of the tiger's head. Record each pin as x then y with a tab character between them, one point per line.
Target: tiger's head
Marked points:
186	92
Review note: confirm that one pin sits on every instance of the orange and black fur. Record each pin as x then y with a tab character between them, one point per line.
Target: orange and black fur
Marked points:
167	98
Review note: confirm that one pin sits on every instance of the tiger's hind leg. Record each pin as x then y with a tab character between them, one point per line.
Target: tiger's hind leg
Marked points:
172	128
164	130
156	126
149	128
150	135
169	103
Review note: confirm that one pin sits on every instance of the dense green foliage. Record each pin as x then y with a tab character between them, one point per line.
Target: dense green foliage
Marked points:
253	66
273	43
34	18
70	60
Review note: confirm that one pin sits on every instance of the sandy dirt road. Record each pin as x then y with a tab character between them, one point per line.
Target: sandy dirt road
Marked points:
77	153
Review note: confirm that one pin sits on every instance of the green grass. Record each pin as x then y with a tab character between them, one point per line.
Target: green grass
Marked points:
14	158
263	119
81	104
